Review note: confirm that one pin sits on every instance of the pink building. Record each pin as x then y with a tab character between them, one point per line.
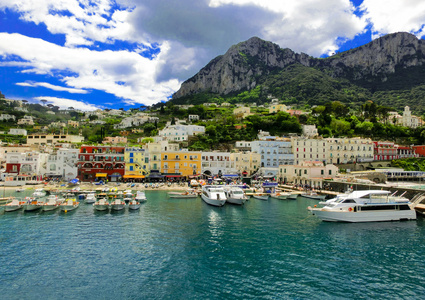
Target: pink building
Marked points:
115	140
385	150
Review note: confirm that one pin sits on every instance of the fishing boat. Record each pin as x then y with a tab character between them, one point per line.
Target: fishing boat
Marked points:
101	204
261	196
52	203
235	195
140	196
366	206
90	198
32	204
117	204
293	195
183	195
14	205
313	195
213	195
280	195
133	204
69	204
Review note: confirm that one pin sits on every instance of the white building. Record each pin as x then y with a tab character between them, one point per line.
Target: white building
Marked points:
63	164
179	133
242	112
217	163
26	163
309	131
44	139
6	117
311	173
193	118
26	120
407	119
17	131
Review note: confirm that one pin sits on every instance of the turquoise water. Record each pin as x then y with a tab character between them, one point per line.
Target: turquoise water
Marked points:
185	249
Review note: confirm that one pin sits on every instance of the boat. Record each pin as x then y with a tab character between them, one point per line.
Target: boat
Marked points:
14	205
69	204
261	196
213	195
140	196
90	198
235	195
18	190
38	193
117	204
280	195
366	206
53	202
101	204
183	195
293	195
32	204
133	204
313	195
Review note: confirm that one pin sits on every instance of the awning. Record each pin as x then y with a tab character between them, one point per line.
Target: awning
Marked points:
134	176
101	175
173	176
230	175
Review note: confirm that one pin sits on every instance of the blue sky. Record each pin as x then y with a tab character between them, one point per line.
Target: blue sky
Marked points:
92	54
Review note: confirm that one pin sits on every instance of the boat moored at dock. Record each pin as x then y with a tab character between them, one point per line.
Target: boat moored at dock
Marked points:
14	205
235	195
213	195
101	204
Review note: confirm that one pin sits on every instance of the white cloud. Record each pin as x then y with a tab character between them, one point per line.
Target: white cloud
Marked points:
63	103
52	87
388	16
124	74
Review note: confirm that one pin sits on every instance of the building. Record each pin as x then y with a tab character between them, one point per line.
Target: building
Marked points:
217	164
309	131
180	133
63	164
32	164
193	118
242	112
243	145
246	163
275	108
311	173
6	117
407	119
73	124
44	139
26	120
115	140
17	131
385	150
419	150
101	163
180	164
154	151
136	163
406	152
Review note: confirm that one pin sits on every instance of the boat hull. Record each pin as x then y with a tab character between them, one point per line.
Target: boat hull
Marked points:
314	197
261	197
357	217
32	207
134	206
69	207
213	202
238	201
117	206
48	207
10	208
292	197
101	207
420	209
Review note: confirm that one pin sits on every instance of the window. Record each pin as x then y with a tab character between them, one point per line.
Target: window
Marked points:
330	172
322	172
131	154
131	168
305	172
131	160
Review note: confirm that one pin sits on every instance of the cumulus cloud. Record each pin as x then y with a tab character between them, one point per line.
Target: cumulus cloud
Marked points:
387	16
63	103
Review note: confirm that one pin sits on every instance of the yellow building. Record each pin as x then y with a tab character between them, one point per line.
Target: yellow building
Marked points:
275	108
178	164
136	163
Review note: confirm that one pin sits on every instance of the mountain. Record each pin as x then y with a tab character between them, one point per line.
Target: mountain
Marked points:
390	66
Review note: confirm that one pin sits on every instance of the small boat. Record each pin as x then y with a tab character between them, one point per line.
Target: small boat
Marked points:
313	195
39	193
134	204
117	204
18	190
213	195
261	196
52	203
235	195
293	195
280	195
32	204
16	204
140	196
69	204
90	198
366	206
187	194
101	204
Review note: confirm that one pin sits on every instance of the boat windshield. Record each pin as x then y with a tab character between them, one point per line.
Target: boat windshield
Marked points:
237	192
215	190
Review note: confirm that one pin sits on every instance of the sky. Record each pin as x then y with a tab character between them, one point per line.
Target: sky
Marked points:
91	54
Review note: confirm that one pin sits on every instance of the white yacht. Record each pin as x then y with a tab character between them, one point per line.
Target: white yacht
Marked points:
280	195
213	195
235	195
117	204
90	198
101	204
140	196
366	206
133	204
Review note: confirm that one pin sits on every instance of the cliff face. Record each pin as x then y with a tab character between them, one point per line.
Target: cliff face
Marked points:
244	63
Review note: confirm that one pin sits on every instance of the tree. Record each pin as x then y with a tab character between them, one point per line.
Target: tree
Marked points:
44	101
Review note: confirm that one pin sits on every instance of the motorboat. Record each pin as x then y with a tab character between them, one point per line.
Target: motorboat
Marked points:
117	204
213	195
32	204
140	196
101	204
183	195
53	202
235	195
90	198
14	205
39	193
293	195
133	204
366	206
280	195
261	196
313	195
18	190
69	204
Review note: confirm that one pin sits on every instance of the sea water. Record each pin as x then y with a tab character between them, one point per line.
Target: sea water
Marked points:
186	249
